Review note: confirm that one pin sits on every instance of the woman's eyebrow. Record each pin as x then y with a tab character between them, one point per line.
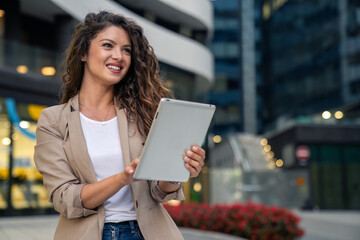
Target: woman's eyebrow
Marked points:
106	39
113	42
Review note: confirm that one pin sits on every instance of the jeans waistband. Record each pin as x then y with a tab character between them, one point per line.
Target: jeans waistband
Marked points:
130	223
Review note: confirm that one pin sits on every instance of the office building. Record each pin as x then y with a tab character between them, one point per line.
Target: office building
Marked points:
237	48
313	63
312	97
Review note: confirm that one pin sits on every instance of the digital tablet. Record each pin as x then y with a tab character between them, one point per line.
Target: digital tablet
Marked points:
176	126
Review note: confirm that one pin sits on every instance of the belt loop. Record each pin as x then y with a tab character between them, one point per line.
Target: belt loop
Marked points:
132	225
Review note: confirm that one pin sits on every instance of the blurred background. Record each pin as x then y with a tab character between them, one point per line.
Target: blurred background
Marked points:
284	75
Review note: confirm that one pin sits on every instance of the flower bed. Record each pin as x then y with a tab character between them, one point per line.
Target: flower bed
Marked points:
251	221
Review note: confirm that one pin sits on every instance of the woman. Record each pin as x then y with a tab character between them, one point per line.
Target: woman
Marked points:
87	147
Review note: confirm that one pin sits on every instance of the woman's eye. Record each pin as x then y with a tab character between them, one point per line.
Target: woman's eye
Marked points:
127	50
107	45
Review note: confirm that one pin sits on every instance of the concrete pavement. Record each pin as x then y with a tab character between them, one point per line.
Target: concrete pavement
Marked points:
43	228
319	225
28	227
330	225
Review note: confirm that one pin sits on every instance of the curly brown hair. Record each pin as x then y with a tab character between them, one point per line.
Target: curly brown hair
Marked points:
141	89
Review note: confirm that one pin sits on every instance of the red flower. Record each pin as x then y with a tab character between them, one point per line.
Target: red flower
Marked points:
250	220
241	225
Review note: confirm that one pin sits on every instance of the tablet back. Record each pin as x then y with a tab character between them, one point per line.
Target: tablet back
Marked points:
176	126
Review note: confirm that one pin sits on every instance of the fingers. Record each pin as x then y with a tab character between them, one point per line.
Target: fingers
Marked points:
198	150
193	172
130	169
196	154
194	160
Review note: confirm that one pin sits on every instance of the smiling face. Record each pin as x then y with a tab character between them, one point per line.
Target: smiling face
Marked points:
108	58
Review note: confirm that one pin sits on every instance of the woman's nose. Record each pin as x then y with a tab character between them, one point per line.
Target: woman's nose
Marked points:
117	55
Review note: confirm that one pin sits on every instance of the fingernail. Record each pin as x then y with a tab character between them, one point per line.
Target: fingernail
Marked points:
186	159
195	148
189	153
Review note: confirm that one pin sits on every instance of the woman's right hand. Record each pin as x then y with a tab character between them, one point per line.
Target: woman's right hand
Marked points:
95	194
129	171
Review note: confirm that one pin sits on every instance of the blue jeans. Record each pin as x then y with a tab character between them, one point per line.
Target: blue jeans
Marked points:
128	230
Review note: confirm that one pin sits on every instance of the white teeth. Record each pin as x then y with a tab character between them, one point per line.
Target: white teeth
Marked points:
113	67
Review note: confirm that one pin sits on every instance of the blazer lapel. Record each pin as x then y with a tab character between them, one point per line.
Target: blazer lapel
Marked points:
124	134
78	143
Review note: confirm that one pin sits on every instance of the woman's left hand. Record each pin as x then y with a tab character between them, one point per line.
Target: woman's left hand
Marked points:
194	160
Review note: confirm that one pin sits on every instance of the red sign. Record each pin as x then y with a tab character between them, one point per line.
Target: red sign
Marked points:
302	152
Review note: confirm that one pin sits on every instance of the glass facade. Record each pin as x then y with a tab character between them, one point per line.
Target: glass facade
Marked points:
330	156
237	47
312	58
29	53
25	58
312	65
226	93
21	188
305	67
352	43
29	44
179	81
335	181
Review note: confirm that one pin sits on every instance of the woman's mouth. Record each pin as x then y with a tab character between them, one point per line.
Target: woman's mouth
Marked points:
114	67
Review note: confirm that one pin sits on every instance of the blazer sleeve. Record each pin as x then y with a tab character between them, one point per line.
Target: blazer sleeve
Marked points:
161	196
63	186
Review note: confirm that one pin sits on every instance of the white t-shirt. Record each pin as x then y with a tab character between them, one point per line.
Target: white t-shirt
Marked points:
103	144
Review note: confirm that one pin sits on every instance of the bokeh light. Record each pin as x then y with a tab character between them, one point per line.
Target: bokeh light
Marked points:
197	187
22	69
217	139
326	115
339	115
263	141
48	71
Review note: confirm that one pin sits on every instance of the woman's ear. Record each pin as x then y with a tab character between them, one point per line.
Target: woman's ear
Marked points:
83	58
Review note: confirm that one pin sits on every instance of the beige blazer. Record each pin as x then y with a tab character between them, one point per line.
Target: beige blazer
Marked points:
61	156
